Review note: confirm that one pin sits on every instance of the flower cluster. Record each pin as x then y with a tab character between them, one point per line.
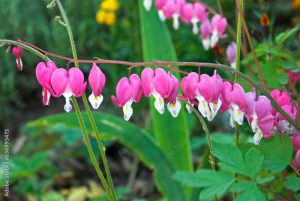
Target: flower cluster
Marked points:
210	94
283	126
192	13
107	12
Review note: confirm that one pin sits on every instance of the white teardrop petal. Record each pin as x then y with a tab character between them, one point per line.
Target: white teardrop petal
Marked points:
174	109
95	100
127	110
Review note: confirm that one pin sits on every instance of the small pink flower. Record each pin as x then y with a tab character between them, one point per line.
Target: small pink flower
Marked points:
259	116
281	97
296	141
188	85
282	124
206	31
68	83
172	9
193	13
96	81
127	92
17	52
234	100
147	4
295	162
219	25
294	77
162	86
160	4
43	74
231	54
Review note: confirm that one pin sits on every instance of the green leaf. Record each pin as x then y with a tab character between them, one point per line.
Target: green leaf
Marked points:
293	183
280	38
253	160
213	183
278	152
131	136
231	158
248	191
168	131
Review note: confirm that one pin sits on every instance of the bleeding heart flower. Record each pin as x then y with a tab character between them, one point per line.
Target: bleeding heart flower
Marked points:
43	74
296	141
172	9
96	81
160	4
17	52
206	31
188	85
281	97
294	77
259	116
219	25
234	100
295	162
127	92
162	86
147	4
282	124
68	83
231	54
193	13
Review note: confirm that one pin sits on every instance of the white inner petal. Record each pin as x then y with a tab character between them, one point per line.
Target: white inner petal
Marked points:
233	65
95	100
195	25
127	110
147	4
161	15
214	108
231	121
238	115
203	106
214	39
68	94
254	125
48	97
21	64
174	108
257	137
189	108
176	21
206	43
159	103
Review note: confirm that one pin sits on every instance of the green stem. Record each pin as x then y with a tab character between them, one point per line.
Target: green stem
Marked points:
237	61
26	47
204	126
89	147
86	105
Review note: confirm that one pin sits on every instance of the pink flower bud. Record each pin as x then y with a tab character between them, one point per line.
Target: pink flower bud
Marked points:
96	81
206	31
68	83
17	52
231	54
219	25
295	162
281	97
282	124
296	141
127	92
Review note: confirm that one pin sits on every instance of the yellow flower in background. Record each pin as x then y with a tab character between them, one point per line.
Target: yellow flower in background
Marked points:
107	12
111	5
296	4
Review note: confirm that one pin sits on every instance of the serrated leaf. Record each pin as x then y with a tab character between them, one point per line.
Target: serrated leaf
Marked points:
231	158
253	160
293	183
278	152
248	191
212	183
